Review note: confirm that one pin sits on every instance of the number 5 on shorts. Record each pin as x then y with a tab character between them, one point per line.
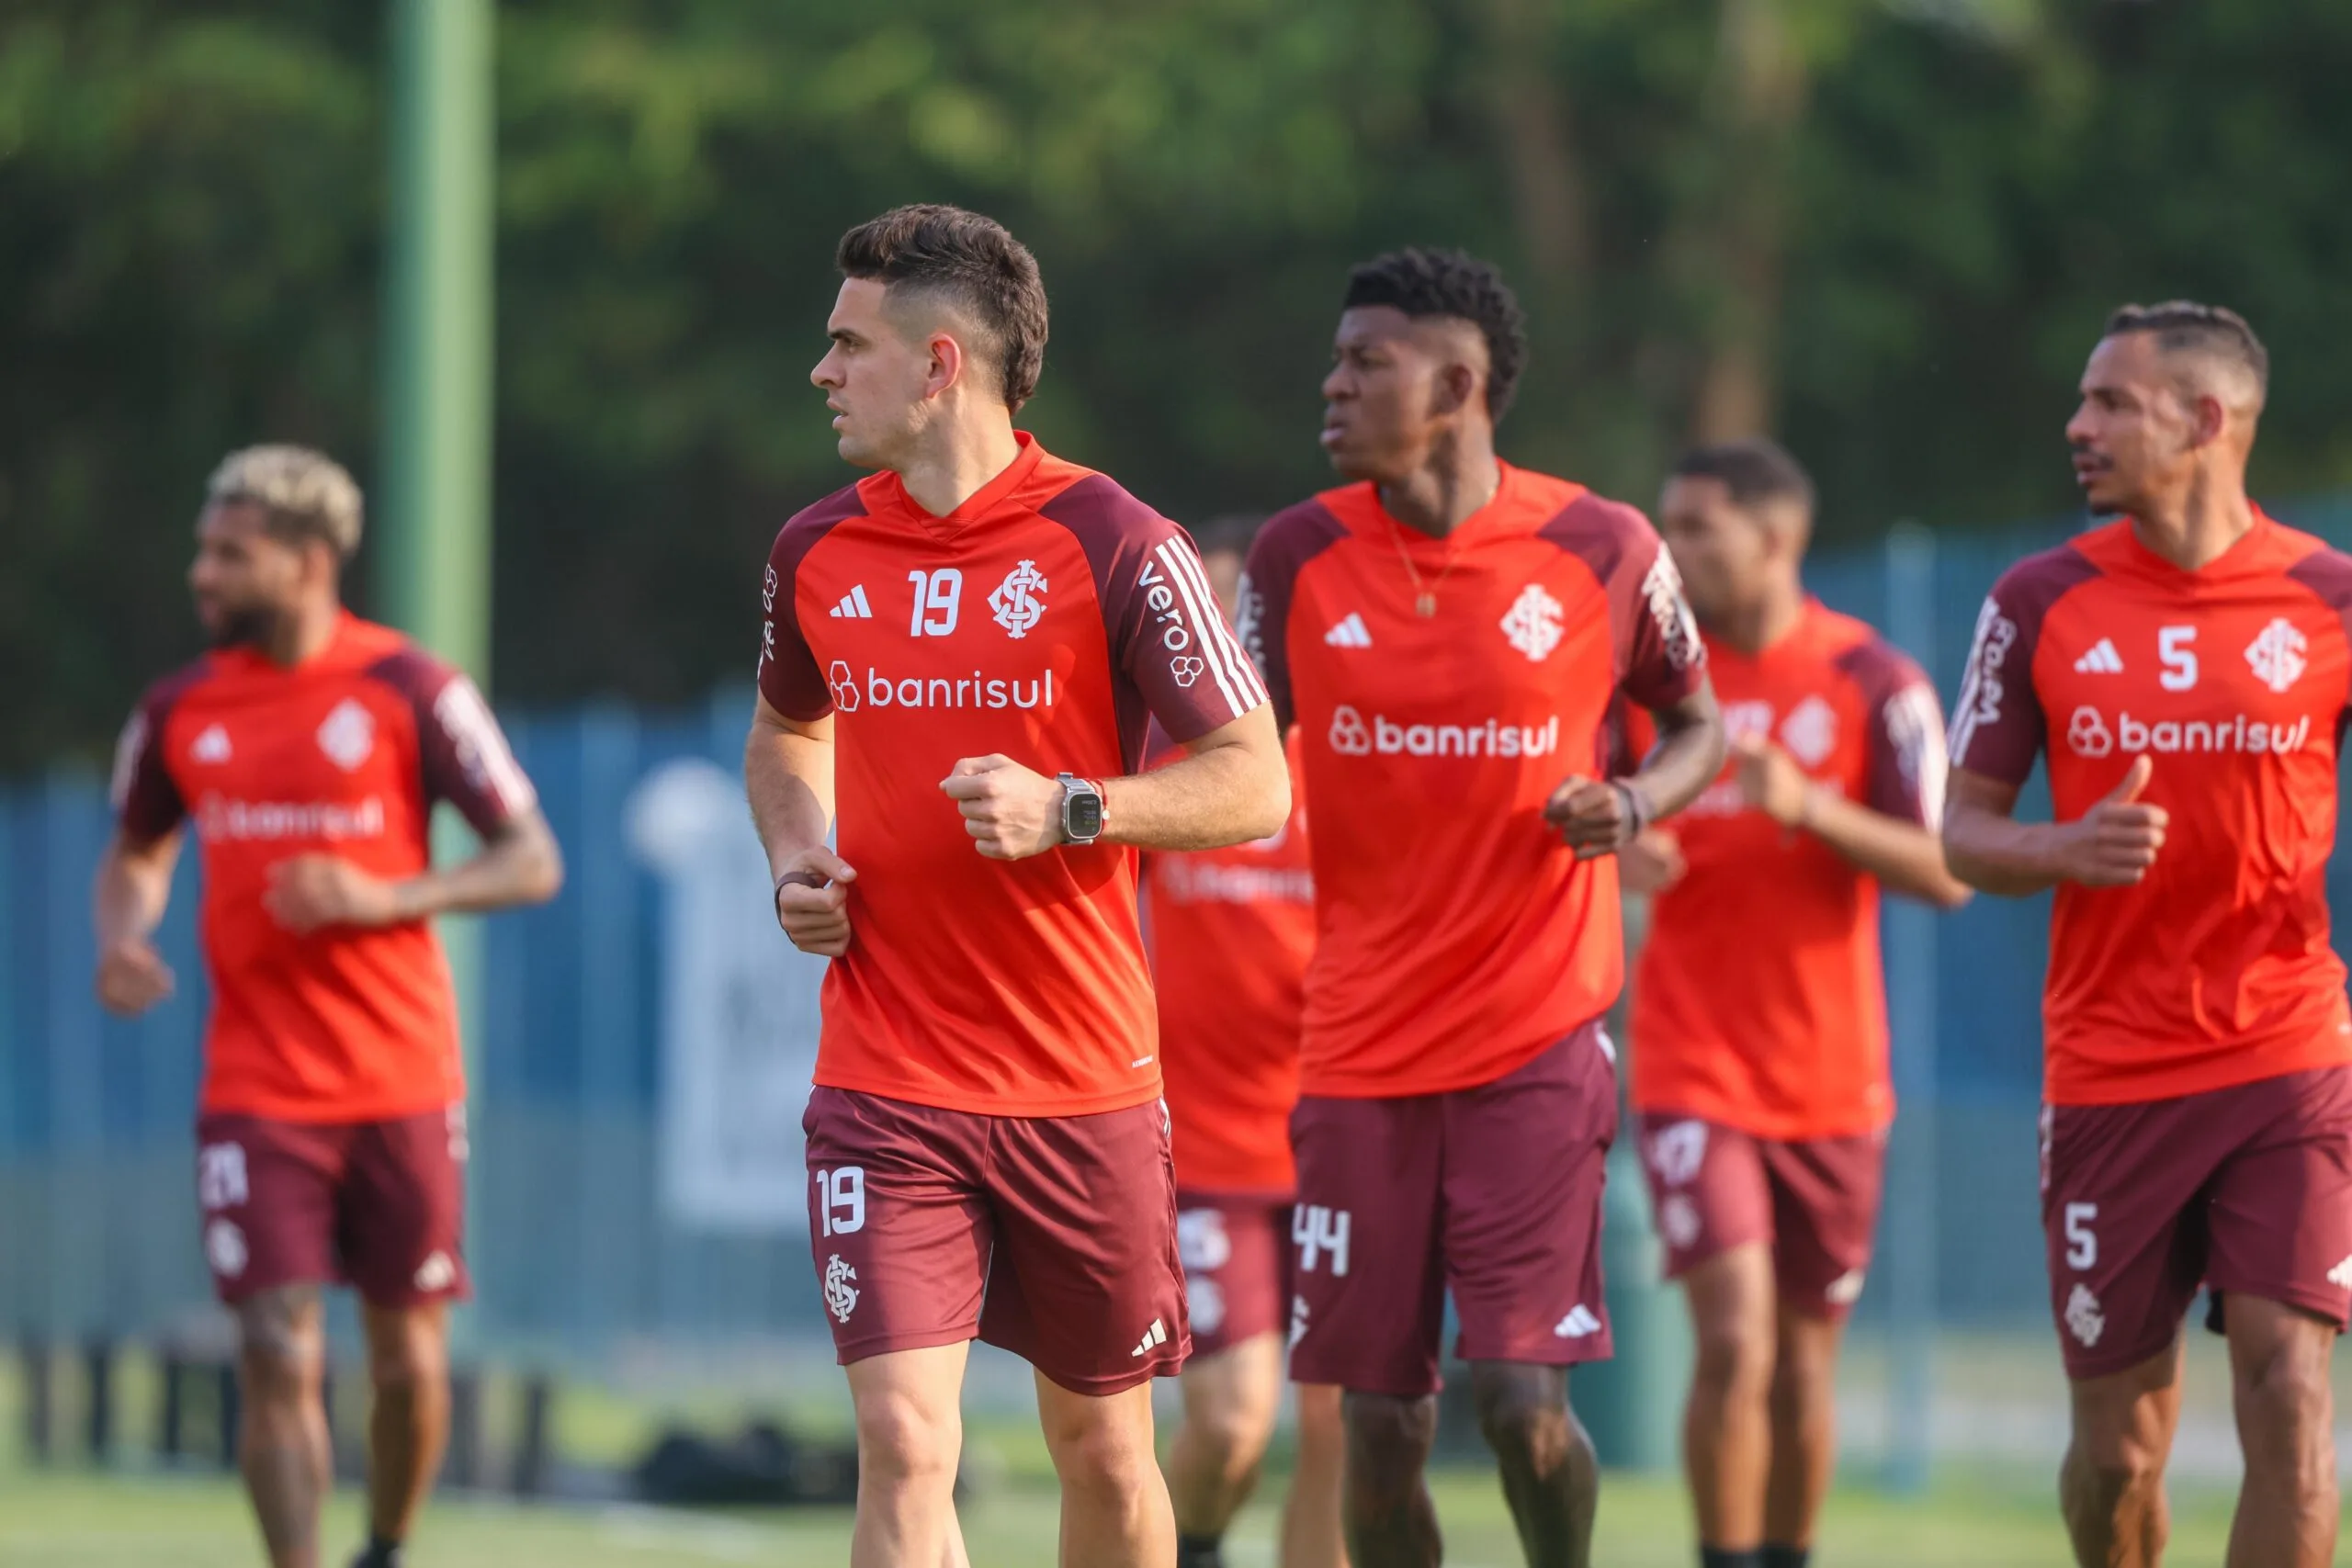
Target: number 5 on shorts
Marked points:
840	1196
2082	1241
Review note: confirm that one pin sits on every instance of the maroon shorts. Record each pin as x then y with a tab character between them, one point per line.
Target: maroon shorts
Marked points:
378	1205
1236	1251
1494	1192
2247	1190
1814	1201
1054	1237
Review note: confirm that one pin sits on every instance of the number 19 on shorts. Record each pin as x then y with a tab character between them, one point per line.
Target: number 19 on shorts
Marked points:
841	1199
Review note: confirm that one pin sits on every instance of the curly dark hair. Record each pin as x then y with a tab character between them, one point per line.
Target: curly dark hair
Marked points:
971	260
1424	282
2185	326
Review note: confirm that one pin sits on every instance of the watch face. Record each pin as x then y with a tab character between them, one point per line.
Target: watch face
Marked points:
1083	813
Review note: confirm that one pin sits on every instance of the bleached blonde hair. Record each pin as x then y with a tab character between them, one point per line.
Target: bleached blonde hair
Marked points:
308	494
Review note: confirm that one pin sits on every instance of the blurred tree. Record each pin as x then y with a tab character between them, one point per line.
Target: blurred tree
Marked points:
1887	228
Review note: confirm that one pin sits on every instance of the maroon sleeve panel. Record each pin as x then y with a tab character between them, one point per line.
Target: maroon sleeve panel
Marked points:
462	752
1283	546
1659	657
1174	657
1904	733
2328	574
147	803
788	675
1997	727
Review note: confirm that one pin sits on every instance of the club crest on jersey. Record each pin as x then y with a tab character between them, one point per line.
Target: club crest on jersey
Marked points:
1532	622
2276	655
348	736
1019	601
1811	732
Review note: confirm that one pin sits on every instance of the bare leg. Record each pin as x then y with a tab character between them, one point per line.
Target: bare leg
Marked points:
1230	1402
1312	1536
1726	1423
909	1434
1804	1425
1114	1506
1391	1518
2287	1507
1550	1476
282	1445
2111	1487
408	1426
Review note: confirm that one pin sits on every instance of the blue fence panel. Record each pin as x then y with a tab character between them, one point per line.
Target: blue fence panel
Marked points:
578	1250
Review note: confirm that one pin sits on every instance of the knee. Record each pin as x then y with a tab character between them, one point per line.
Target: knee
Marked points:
1388	1439
1733	1361
278	1361
1524	1417
410	1363
2284	1400
1102	1456
901	1442
2119	1456
1234	1434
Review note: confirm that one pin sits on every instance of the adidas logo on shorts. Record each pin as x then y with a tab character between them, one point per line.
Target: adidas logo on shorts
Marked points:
1579	1323
2341	1275
1156	1334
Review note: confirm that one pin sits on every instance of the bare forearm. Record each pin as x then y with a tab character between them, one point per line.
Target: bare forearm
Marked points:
1228	795
788	779
1902	855
1993	854
521	865
130	895
1688	756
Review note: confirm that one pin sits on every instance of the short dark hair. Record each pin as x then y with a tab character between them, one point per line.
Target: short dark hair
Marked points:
971	260
1231	532
1758	471
2183	325
1422	282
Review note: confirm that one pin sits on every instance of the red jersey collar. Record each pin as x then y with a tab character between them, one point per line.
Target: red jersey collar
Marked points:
2247	555
1507	511
253	661
884	493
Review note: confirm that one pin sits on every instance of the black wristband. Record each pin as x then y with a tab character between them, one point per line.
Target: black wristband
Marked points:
1637	805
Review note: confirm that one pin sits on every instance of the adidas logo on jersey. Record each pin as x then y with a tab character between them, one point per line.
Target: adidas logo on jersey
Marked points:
212	746
1154	1336
853	606
1579	1323
1350	633
2102	660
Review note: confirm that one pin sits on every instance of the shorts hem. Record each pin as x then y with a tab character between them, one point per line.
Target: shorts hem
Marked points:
1166	1362
2309	1302
891	1344
1571	1355
243	1291
2090	1367
397	1301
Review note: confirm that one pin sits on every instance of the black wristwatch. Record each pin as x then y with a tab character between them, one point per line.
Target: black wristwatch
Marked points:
1081	809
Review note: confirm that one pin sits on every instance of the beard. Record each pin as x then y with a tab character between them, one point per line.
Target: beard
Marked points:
247	625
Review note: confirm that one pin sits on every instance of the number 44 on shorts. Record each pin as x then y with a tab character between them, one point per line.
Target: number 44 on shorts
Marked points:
1319	1233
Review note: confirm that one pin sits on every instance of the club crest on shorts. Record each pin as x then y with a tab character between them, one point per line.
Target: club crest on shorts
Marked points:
2085	1318
841	1288
1297	1320
1204	1303
1845	1290
224	1248
1677	1221
1677	1151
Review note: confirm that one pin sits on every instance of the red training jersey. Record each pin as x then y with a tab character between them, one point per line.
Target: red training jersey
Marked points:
1049	617
342	754
1759	1000
1231	931
1456	936
2215	969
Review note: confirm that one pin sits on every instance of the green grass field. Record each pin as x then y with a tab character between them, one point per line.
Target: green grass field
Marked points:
79	1520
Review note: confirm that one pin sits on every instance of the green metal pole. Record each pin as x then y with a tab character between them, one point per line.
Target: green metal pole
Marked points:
433	489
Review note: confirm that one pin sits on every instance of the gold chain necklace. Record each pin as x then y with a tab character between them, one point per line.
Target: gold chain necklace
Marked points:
1424	594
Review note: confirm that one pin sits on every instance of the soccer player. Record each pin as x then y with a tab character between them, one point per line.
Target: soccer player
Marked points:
1449	631
306	752
963	649
1759	1007
2183	668
1230	932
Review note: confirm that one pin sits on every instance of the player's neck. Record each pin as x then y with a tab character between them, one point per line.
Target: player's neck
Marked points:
2197	527
1446	491
301	635
1752	628
956	458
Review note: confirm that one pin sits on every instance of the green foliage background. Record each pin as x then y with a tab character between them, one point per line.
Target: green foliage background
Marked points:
1886	229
